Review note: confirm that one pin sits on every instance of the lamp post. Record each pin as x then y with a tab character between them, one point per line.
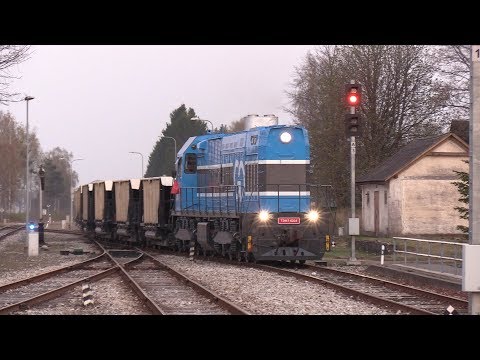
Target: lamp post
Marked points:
71	192
196	118
27	99
41	174
175	154
135	152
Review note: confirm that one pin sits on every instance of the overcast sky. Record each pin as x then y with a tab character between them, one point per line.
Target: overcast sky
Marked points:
100	102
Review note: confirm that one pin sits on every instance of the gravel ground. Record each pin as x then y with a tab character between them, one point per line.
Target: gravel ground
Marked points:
111	296
262	292
15	264
258	291
404	281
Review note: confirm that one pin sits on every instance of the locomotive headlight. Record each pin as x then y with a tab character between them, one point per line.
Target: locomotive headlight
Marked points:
263	215
285	137
313	215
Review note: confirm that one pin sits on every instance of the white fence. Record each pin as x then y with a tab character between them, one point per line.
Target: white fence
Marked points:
432	255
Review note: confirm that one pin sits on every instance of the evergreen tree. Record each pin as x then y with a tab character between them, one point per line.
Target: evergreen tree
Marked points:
463	188
161	159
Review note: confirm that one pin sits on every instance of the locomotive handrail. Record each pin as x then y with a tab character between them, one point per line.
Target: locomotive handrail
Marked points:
203	192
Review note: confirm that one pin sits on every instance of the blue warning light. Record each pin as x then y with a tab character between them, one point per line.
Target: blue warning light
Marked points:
31	226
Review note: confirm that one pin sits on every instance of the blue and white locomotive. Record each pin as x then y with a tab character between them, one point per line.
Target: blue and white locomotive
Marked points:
247	195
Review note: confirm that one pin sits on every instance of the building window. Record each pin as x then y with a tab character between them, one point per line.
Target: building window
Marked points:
385	197
368	198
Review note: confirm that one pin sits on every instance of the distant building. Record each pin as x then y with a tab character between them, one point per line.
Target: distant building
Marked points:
412	191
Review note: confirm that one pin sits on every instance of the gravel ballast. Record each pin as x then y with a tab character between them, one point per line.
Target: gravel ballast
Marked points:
262	292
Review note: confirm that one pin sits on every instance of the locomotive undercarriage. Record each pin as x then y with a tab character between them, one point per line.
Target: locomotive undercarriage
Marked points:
211	236
222	236
258	241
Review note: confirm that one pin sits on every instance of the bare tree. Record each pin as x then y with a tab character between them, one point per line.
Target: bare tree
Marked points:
402	99
455	70
12	164
236	126
10	55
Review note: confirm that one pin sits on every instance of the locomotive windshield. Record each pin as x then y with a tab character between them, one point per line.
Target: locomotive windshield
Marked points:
190	163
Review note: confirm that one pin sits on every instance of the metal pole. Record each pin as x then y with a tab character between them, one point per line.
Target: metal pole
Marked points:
196	118
71	197
27	188
136	152
210	124
474	158
175	144
352	185
71	192
26	180
40	218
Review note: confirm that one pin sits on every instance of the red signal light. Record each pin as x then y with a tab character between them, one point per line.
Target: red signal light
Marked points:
353	94
353	99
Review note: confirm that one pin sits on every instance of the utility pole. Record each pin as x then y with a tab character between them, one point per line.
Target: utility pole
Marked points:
352	127
471	252
27	179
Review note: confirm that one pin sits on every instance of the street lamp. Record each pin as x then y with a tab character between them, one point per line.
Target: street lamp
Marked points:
134	152
196	118
175	141
71	191
27	99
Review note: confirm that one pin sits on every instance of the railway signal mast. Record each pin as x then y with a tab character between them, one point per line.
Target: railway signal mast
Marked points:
352	130
471	251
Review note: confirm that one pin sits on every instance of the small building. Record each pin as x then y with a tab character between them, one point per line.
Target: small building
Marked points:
411	193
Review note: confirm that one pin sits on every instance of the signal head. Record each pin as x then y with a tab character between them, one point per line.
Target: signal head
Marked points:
353	94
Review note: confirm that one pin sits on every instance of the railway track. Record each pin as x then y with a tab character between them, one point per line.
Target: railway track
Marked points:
9	230
25	293
407	299
166	291
169	292
398	297
162	289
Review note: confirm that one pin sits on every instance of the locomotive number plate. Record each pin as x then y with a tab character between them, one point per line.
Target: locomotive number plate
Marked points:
288	220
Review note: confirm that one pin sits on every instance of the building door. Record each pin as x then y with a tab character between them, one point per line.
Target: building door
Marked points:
376	211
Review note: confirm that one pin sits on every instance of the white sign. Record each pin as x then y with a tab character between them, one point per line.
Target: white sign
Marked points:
476	53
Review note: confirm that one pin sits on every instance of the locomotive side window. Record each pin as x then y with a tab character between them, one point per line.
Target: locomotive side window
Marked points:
190	163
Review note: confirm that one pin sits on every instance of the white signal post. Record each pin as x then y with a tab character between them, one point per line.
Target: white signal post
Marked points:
471	268
353	223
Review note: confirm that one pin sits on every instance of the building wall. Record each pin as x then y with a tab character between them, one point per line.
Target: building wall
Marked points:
428	196
368	208
395	214
421	198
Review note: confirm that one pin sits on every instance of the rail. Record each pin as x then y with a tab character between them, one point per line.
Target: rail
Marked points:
432	255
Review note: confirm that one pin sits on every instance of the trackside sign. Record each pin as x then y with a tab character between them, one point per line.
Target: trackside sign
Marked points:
288	220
